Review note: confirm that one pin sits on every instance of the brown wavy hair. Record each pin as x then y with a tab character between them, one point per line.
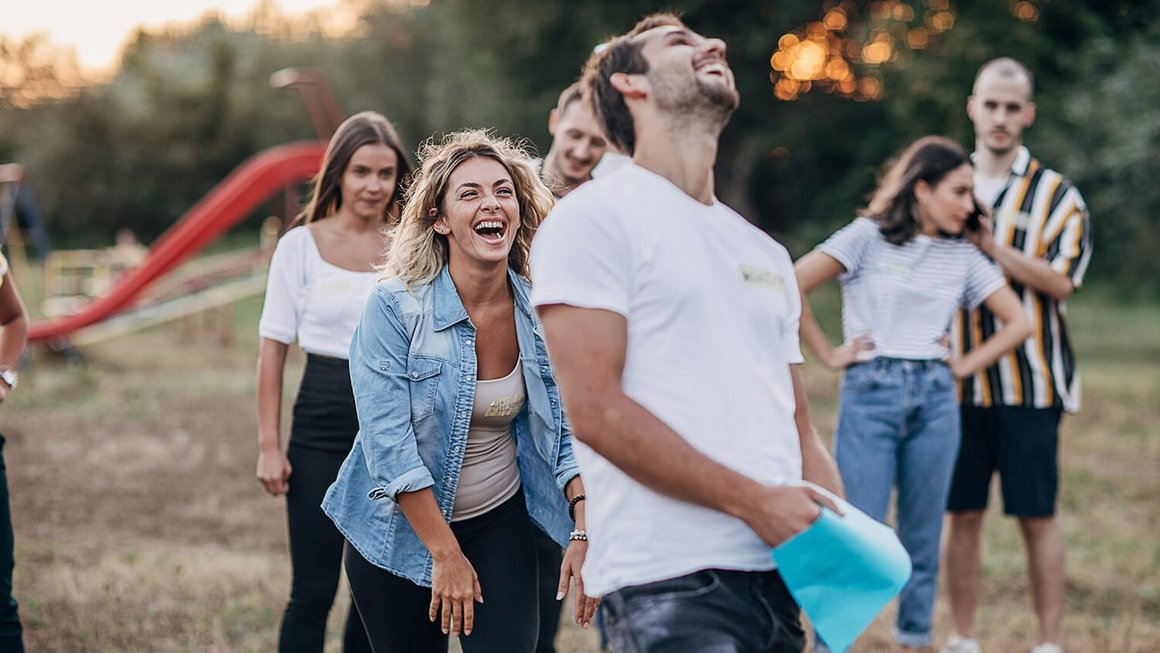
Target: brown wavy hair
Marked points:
417	251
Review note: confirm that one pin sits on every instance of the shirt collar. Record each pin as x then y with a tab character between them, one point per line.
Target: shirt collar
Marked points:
1021	163
448	308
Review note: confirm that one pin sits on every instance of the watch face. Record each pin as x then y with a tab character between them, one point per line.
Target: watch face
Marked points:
9	377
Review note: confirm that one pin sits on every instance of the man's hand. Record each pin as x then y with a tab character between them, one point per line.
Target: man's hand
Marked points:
984	236
782	511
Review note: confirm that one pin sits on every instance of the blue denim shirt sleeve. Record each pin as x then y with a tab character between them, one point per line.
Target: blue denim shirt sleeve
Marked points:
378	372
566	467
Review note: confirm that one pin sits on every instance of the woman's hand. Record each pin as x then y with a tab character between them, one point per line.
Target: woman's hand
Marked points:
454	590
573	560
849	352
984	236
274	471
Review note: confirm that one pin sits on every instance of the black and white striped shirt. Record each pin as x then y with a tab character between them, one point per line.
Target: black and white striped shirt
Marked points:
906	296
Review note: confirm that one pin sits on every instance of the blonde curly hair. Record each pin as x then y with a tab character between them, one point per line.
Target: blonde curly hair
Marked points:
417	251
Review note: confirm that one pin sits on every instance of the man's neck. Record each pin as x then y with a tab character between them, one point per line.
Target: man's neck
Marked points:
550	170
991	164
680	151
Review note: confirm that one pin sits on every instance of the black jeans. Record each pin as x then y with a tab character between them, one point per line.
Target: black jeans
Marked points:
549	557
321	435
498	544
709	611
11	639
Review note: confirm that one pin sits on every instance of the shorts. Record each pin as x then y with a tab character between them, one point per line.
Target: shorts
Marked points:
1023	445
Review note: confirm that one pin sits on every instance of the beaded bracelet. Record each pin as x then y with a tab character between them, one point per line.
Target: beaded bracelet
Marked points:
578	536
572	506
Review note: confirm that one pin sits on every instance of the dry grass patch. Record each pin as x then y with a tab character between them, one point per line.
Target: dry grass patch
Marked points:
140	527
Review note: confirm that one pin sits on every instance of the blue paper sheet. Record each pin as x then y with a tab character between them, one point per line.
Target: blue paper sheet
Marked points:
842	571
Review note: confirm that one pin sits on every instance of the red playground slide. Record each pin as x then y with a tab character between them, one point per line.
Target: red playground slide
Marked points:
226	204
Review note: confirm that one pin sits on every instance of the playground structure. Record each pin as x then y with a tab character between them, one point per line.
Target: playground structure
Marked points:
95	294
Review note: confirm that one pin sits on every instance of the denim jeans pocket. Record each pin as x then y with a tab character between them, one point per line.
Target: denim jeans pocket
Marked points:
867	377
939	378
689	586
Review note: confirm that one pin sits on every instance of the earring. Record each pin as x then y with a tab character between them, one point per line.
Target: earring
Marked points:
442	230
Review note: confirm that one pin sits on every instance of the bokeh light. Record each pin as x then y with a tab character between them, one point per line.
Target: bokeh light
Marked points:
843	49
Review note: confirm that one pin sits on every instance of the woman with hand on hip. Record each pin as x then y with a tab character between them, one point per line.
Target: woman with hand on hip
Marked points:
320	277
905	270
462	447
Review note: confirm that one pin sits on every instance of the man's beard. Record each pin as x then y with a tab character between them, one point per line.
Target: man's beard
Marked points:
714	103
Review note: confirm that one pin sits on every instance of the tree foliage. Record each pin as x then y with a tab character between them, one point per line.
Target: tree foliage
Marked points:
186	107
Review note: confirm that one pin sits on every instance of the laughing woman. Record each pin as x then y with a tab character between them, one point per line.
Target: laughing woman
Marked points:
462	447
905	270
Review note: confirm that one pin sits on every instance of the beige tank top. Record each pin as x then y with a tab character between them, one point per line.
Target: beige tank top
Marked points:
490	475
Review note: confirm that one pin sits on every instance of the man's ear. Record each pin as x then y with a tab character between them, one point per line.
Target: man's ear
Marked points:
1030	115
630	86
553	121
971	107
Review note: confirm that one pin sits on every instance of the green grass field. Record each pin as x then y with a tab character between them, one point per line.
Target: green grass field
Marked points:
139	525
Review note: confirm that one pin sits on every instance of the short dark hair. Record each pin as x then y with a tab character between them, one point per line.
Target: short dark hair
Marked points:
892	204
622	54
365	128
1006	67
569	95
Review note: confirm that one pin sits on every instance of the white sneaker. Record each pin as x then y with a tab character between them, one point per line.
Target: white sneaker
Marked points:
960	644
1047	647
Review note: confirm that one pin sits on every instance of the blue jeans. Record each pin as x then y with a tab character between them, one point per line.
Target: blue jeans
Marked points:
709	611
899	424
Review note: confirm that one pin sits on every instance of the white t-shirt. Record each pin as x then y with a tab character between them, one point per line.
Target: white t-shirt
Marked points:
310	300
712	308
906	296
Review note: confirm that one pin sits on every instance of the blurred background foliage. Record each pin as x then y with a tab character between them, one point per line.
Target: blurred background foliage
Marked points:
851	84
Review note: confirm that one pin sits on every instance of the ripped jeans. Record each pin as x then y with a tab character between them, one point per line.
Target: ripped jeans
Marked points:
708	611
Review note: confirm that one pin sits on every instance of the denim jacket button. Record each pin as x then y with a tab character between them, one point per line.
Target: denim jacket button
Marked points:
467	342
414	375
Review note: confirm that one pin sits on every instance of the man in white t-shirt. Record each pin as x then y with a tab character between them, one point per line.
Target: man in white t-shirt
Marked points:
672	324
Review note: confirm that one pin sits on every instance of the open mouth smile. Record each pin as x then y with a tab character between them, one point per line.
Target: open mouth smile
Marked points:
492	231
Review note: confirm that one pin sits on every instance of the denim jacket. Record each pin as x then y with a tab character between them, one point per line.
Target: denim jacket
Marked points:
413	369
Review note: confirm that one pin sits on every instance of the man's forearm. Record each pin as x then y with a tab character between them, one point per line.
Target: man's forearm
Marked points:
648	450
1033	272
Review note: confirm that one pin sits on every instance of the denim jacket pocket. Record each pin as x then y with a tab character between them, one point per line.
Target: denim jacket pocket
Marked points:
423	373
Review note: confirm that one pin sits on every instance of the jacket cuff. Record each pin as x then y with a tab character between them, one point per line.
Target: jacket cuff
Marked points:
410	481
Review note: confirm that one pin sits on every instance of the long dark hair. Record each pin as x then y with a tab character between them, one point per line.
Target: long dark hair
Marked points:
366	128
892	204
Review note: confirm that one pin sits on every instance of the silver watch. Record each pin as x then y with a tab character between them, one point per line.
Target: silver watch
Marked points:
9	377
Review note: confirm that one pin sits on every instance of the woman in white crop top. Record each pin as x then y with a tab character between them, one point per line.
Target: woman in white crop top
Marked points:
905	270
320	277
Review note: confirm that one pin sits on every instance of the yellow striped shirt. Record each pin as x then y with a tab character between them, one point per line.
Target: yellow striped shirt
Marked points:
1041	214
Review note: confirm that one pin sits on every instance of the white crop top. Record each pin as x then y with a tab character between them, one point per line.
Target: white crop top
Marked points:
312	301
